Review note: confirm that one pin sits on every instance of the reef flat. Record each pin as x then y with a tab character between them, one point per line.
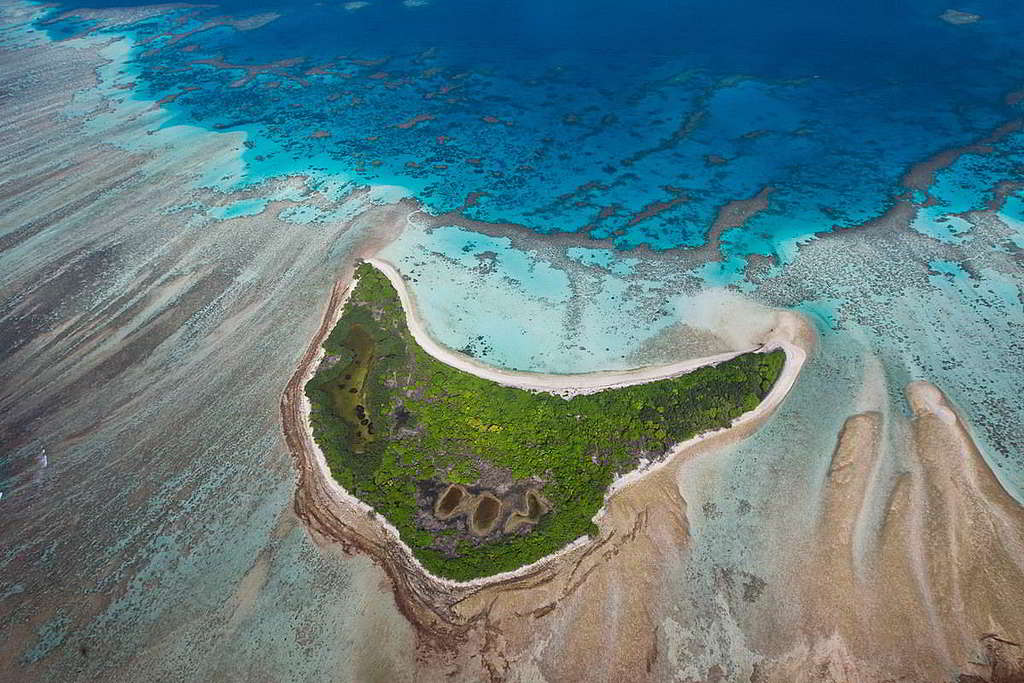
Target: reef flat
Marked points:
165	253
481	478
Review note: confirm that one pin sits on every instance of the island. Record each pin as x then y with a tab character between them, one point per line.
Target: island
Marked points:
482	473
957	18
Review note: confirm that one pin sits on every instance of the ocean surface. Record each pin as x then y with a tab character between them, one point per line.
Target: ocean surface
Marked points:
608	177
629	124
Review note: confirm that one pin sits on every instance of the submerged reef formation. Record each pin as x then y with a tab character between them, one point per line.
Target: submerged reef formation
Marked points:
177	189
481	478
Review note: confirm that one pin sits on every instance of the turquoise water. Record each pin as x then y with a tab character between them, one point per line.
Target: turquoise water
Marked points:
565	121
643	146
595	131
243	207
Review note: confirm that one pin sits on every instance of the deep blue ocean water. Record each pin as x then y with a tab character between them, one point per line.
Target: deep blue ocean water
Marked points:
633	121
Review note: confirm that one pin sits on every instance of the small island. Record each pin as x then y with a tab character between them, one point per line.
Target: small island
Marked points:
481	478
957	18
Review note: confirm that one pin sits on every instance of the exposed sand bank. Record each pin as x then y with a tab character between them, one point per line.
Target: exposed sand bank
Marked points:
934	591
203	489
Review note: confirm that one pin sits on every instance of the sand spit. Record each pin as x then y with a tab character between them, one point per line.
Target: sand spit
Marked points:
934	592
643	517
562	385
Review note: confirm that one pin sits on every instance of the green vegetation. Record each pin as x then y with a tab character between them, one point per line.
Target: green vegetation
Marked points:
397	426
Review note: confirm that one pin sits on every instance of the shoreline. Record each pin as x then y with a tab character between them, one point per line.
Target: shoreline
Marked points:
569	385
324	504
565	385
341	495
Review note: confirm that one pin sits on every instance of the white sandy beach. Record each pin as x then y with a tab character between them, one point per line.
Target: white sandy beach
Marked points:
584	383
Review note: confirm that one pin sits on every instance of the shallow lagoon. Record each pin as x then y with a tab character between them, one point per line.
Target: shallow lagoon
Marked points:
892	306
